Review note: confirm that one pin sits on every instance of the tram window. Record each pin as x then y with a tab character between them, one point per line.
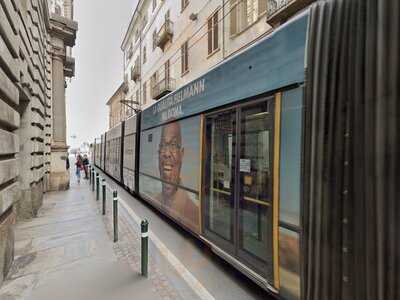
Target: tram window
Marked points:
290	162
255	184
220	194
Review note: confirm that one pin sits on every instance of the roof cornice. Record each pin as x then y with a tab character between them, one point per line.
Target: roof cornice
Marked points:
131	22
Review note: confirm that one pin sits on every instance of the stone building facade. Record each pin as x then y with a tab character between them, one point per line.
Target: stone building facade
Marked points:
171	42
34	61
118	111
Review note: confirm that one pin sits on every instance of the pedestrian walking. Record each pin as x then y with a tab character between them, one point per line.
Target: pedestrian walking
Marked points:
79	167
86	166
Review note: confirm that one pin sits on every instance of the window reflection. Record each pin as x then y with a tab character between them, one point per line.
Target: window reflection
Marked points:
220	195
289	260
255	175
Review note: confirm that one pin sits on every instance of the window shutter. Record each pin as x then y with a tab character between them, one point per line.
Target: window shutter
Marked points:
184	57
243	13
215	31
187	56
154	39
144	92
209	34
233	17
262	6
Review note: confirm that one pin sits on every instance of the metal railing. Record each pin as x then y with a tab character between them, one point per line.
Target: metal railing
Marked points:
282	9
135	73
125	87
165	34
163	87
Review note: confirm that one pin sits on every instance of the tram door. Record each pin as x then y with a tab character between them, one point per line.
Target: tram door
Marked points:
238	184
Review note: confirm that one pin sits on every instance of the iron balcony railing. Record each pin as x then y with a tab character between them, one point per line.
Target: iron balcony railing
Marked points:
165	34
135	73
163	87
125	87
279	11
130	52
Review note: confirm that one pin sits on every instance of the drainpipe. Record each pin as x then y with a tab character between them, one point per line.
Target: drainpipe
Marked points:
223	30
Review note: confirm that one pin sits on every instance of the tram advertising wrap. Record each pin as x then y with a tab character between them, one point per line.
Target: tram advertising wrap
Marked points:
169	175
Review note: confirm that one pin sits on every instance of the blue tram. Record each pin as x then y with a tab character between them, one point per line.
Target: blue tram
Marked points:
253	156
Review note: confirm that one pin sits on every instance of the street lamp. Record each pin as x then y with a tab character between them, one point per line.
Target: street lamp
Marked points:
129	103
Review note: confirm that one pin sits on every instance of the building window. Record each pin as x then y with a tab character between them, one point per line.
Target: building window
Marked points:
144	54
144	22
144	92
212	27
245	13
262	7
154	39
154	4
137	35
153	83
184	4
185	58
137	96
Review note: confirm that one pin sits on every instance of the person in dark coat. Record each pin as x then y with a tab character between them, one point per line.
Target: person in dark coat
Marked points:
86	166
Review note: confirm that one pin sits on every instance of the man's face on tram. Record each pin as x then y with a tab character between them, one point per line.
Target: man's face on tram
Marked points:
170	157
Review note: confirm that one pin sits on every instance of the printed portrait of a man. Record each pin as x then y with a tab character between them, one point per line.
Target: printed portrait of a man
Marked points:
174	198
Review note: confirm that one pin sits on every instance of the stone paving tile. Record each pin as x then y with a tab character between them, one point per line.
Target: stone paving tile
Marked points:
128	249
69	234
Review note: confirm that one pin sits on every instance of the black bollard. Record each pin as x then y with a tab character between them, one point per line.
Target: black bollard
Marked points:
90	175
144	226
115	215
103	185
97	186
93	181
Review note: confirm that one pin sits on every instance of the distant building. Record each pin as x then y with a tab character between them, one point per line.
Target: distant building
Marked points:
171	42
36	37
118	111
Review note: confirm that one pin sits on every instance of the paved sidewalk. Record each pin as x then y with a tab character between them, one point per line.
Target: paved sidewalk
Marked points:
67	253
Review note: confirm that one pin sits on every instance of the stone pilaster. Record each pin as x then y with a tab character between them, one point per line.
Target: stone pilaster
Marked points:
63	33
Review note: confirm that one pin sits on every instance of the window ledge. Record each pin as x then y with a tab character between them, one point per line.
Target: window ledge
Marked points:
212	53
184	73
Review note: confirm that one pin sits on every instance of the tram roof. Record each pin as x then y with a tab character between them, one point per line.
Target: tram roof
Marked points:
276	61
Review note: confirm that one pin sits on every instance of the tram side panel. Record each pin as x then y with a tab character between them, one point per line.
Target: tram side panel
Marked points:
113	152
129	157
170	170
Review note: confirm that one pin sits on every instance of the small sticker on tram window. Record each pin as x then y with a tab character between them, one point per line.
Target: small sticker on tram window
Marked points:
227	184
245	165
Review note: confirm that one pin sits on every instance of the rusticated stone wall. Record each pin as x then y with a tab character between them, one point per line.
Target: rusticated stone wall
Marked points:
26	99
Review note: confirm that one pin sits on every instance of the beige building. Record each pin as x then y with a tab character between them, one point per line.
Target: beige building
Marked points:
36	37
118	111
171	42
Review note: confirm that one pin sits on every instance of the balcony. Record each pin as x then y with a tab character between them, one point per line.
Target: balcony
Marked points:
69	68
165	34
130	53
135	73
162	88
281	10
125	87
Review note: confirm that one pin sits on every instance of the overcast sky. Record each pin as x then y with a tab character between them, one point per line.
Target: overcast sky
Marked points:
98	68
